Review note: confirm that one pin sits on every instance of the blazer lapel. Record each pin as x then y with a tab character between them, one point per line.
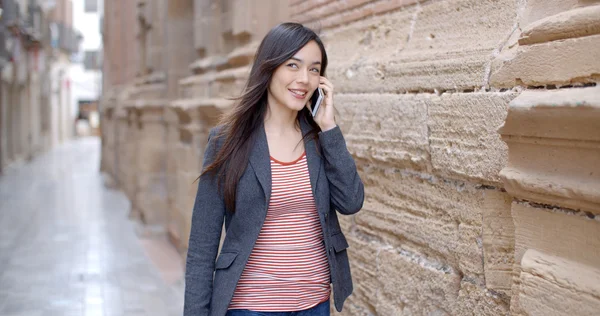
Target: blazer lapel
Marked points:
312	156
261	161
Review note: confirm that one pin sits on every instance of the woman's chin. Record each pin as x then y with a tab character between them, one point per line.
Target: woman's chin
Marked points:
296	106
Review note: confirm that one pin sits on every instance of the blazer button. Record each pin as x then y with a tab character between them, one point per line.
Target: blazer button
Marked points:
330	250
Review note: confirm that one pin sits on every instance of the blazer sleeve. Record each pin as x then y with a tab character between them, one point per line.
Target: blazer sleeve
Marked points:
207	222
345	186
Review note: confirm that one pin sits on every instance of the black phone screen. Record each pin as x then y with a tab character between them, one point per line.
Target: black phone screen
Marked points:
313	98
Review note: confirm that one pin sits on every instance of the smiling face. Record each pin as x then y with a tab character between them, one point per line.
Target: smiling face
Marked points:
294	81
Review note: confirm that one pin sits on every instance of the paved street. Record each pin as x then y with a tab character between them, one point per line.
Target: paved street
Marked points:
68	248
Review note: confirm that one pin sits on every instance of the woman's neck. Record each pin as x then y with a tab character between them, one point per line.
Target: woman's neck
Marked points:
280	119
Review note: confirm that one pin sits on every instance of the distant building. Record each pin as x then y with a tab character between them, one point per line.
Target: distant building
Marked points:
37	42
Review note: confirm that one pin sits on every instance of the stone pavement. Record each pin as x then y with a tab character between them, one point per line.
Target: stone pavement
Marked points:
68	248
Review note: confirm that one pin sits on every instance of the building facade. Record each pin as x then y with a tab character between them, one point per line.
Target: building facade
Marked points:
474	125
36	43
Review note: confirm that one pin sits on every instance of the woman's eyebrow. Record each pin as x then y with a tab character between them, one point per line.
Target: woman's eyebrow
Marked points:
301	61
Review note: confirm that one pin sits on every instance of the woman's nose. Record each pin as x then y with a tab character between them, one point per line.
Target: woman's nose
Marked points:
302	76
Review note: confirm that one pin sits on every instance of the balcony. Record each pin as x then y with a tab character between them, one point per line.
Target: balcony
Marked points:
26	22
65	38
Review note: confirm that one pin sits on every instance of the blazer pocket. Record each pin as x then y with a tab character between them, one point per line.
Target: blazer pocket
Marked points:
225	260
338	241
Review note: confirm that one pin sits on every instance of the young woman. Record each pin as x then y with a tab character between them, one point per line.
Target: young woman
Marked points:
276	176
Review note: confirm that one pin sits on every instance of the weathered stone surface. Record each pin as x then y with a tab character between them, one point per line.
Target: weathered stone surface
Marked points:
230	83
556	233
428	53
463	137
475	300
329	13
536	10
553	285
498	241
421	213
569	24
358	51
346	223
151	198
456	134
550	63
365	269
388	128
554	148
396	281
412	285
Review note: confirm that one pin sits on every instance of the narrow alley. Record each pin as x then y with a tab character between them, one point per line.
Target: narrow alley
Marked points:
67	246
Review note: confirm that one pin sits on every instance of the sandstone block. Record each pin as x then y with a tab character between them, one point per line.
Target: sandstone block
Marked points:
346	223
475	300
578	22
438	218
536	10
556	233
365	269
333	13
151	157
151	199
553	285
426	52
414	286
187	188
387	128
498	241
549	63
463	137
554	154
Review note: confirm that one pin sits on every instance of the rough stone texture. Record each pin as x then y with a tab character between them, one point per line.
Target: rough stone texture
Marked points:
455	133
403	283
330	13
578	22
386	128
462	135
539	9
151	167
564	33
557	286
430	289
557	233
529	64
434	216
560	129
422	51
498	241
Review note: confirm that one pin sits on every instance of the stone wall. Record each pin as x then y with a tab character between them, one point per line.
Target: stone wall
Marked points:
474	125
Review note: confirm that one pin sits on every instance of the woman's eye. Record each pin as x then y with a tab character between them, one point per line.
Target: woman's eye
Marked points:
315	70
292	65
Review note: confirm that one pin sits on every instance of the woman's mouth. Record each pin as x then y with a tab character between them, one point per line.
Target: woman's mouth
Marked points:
298	94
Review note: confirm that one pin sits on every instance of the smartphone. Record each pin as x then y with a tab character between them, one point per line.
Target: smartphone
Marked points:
315	101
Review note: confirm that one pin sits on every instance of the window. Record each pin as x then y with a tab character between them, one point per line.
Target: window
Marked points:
91	6
91	60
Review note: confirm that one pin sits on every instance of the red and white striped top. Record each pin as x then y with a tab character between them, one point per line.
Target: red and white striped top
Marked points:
288	268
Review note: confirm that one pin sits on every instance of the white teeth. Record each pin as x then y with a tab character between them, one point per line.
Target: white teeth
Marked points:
298	92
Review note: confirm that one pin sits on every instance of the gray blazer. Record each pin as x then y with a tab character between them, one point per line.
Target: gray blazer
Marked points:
335	184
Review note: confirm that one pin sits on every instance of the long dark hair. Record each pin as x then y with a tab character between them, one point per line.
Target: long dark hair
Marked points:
240	125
